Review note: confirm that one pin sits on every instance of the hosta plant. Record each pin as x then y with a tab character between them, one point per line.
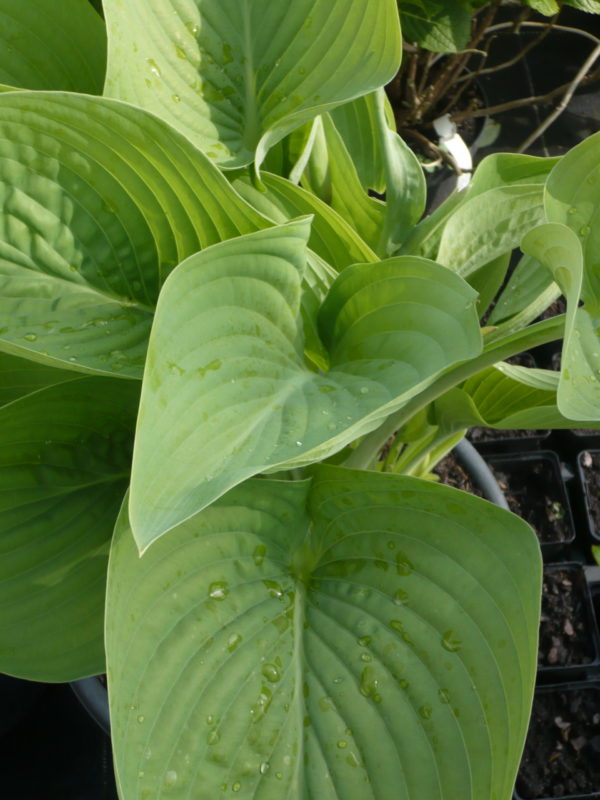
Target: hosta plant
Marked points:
227	371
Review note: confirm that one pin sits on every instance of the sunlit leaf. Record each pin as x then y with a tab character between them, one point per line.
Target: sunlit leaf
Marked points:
237	75
99	202
359	636
226	392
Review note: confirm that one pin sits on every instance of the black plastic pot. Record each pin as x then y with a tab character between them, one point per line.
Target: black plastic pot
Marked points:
56	752
569	641
535	489
588	469
560	741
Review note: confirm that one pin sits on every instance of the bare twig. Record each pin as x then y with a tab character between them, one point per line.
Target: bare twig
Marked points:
502	26
523	101
585	67
505	64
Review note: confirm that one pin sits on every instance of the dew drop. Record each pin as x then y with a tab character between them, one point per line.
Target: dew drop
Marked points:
403	564
426	711
233	642
180	52
364	641
154	70
366	657
444	696
193	28
585	230
299	444
209	719
364	390
30	337
171	778
352	760
213	737
271	673
141	718
451	642
264	768
400	597
259	553
218	590
176	98
236	786
342	744
573	210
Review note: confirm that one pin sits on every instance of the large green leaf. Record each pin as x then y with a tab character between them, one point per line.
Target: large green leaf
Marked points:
489	224
559	248
99	201
226	393
528	292
442	27
359	636
506	397
64	463
19	376
342	188
237	75
334	173
331	236
46	44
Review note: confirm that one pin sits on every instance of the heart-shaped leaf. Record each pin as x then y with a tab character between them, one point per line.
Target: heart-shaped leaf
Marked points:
237	75
359	636
99	201
226	393
64	463
50	45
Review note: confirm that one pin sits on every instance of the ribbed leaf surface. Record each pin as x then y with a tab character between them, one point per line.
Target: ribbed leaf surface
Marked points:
365	636
46	44
237	75
64	463
99	202
226	392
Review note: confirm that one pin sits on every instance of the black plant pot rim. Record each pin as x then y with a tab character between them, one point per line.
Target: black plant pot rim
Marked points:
93	694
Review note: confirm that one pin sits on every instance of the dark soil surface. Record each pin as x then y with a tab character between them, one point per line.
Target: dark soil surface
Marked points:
590	465
452	473
562	753
534	492
477	434
565	637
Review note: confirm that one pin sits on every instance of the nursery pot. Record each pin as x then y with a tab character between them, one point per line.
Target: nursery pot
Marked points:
562	752
535	490
588	468
569	643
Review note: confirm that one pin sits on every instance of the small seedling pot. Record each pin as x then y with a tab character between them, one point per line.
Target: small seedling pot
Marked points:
569	645
588	470
562	753
535	490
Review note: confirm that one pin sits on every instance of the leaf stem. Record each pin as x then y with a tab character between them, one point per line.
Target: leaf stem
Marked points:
533	336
